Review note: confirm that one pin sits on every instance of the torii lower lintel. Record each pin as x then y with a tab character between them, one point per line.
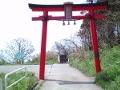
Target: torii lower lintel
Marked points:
97	16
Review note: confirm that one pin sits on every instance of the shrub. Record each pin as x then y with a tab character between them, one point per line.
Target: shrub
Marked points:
109	78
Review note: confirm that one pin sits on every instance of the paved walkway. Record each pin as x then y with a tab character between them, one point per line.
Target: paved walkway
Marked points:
64	77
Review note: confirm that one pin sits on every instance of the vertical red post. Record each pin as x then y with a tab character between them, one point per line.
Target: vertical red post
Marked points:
94	42
43	45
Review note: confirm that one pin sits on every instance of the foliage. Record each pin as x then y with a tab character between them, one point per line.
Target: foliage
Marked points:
86	66
25	84
34	60
61	48
2	62
51	57
110	76
19	50
108	29
2	75
67	46
2	58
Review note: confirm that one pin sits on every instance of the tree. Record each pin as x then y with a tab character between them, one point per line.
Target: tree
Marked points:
19	50
108	29
34	60
2	58
51	57
60	48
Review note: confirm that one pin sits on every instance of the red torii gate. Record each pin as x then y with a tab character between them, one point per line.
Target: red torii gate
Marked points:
68	8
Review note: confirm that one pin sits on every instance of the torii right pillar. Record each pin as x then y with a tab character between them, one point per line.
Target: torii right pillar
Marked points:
94	41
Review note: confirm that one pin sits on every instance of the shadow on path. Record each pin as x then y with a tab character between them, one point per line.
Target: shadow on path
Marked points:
62	82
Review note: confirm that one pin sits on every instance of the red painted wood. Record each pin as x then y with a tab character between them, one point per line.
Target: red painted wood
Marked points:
43	46
75	7
95	43
97	16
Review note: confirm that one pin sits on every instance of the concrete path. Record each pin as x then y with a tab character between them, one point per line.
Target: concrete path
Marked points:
64	77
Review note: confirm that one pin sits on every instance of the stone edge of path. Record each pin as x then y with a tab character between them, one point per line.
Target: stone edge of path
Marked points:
39	85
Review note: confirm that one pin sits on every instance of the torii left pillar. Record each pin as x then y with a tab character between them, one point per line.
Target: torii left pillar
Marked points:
43	45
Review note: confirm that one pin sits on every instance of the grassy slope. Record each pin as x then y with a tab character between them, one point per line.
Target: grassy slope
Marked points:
109	78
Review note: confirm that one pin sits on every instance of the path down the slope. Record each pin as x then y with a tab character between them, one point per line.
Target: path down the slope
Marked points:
64	77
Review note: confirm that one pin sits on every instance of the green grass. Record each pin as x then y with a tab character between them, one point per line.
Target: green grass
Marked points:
24	84
86	66
109	77
51	61
2	75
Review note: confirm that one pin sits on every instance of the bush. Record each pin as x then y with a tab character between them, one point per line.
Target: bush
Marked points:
51	57
109	78
2	62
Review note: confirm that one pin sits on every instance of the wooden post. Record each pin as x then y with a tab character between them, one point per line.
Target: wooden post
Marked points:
94	42
43	46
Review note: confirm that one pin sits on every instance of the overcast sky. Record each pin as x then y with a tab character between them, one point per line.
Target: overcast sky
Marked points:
15	21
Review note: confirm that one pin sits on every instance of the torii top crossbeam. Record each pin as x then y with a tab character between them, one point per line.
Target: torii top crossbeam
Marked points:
75	7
